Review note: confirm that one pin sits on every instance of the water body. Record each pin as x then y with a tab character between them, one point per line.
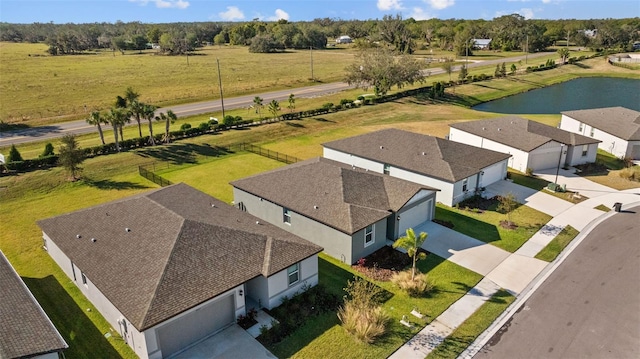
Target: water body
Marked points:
579	94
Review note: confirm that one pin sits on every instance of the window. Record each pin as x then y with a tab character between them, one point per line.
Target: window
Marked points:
368	236
386	169
286	215
580	127
585	150
293	273
593	131
465	185
84	278
73	270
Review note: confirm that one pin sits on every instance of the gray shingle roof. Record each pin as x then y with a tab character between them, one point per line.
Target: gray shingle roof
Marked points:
431	156
347	199
25	329
184	247
618	121
520	133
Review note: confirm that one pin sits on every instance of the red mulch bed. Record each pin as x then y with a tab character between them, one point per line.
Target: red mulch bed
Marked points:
383	263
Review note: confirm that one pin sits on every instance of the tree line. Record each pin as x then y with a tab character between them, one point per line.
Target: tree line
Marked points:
508	32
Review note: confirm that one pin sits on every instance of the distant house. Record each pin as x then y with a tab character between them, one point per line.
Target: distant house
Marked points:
481	44
349	211
531	144
25	329
344	39
589	32
458	170
170	267
617	127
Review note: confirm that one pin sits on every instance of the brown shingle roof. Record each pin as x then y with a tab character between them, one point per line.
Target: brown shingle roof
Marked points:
431	156
520	133
618	121
25	329
345	198
184	247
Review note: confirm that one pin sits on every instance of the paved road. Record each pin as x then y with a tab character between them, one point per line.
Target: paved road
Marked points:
42	133
589	307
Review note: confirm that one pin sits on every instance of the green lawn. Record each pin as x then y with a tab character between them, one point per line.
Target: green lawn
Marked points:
323	337
555	247
486	226
602	207
477	323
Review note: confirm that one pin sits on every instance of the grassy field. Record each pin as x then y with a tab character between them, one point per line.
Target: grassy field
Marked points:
477	323
486	226
325	338
551	250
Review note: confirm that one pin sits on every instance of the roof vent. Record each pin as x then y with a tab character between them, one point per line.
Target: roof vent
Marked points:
315	207
257	222
382	147
93	240
213	205
127	229
512	122
484	128
423	153
499	129
78	236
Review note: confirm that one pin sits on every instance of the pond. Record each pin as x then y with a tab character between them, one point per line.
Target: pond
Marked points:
578	94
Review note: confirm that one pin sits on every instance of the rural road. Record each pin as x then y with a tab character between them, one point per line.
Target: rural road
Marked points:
42	133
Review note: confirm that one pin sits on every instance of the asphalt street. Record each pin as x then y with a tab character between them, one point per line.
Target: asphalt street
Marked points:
42	133
589	307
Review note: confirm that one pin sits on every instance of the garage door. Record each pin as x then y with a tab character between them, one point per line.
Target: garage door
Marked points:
492	174
414	216
541	161
188	329
635	152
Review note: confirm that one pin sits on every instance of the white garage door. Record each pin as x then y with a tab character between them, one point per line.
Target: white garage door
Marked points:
541	161
414	216
180	333
492	174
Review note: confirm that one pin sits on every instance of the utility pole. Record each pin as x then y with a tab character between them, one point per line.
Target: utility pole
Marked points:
311	55
220	85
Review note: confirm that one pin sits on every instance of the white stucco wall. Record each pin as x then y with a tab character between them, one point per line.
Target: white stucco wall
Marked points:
574	154
610	143
352	160
518	161
279	283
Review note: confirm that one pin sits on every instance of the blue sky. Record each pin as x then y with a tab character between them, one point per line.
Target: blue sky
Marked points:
163	11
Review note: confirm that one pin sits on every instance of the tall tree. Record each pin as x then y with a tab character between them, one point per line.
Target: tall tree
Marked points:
463	73
96	119
134	106
148	113
258	102
168	119
71	156
447	66
393	31
411	243
117	117
292	102
382	70
564	54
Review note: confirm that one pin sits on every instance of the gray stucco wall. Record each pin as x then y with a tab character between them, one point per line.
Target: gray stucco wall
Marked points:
335	243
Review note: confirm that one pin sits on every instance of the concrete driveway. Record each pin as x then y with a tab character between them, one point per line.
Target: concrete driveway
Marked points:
537	200
575	183
232	343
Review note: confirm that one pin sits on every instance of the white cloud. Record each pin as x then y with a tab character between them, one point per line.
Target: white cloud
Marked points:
440	4
385	5
233	13
546	1
418	14
165	4
279	15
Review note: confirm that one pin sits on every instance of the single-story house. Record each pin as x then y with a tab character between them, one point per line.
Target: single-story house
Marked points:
172	266
25	329
344	39
481	44
458	170
617	127
349	211
533	145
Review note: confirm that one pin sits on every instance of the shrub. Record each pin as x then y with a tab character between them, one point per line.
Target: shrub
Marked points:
417	287
185	126
14	155
204	126
630	173
529	171
361	314
328	106
48	150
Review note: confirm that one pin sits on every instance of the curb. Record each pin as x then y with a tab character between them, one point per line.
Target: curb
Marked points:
484	338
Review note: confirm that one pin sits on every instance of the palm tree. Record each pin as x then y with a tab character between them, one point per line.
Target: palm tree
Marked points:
258	102
292	103
96	119
117	117
412	244
136	107
564	54
274	108
148	113
168	119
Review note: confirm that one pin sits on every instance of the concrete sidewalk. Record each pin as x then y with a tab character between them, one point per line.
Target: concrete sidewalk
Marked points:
514	272
575	183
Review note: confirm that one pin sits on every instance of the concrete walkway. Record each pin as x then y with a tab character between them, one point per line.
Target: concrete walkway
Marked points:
514	272
231	343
